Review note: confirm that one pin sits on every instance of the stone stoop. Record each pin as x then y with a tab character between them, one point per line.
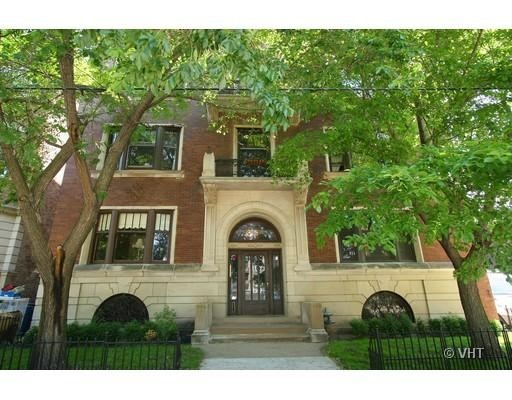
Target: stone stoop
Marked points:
258	329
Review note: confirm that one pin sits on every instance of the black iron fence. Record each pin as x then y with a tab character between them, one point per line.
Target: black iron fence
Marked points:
485	349
92	355
242	167
9	323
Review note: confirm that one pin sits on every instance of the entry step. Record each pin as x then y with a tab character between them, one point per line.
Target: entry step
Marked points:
257	328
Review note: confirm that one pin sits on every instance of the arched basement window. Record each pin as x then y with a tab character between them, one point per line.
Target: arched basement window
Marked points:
121	308
254	230
382	303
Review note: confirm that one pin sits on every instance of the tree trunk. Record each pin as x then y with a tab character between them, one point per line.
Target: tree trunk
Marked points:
50	350
478	323
476	318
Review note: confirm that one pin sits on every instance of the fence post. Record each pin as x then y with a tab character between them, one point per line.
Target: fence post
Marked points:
444	346
176	362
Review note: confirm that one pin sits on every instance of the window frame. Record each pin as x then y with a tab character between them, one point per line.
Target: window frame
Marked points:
361	256
108	138
149	232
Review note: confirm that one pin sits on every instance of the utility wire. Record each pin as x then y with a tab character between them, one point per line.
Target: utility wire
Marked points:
292	89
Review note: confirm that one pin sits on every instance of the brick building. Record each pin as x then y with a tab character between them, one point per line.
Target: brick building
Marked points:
193	221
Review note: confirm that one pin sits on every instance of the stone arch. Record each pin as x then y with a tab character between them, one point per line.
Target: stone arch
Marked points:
122	307
256	209
386	302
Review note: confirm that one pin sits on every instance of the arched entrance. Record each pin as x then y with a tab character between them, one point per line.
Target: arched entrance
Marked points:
255	271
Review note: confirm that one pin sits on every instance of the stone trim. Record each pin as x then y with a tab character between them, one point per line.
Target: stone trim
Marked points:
137	267
382	265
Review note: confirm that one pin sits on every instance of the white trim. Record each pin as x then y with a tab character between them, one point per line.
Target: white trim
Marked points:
84	253
337	247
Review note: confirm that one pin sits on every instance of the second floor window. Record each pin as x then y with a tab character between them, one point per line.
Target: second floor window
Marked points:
150	147
404	251
339	162
132	237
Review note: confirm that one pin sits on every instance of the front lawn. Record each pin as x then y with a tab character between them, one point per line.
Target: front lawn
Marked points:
118	356
414	353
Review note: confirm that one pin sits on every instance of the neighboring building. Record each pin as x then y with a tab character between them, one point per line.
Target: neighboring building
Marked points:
193	221
11	234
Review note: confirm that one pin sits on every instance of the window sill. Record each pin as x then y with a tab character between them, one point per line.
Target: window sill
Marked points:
143	173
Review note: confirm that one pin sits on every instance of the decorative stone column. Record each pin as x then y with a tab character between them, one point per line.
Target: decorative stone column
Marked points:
300	195
202	323
210	220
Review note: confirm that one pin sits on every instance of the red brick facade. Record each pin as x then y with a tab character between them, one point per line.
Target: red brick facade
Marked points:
187	194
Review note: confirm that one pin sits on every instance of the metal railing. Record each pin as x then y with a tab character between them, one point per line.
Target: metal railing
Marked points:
485	349
242	168
91	355
9	324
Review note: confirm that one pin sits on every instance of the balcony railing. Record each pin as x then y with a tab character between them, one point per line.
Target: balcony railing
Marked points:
248	167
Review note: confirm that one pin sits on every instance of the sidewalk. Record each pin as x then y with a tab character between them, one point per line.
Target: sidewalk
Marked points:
266	355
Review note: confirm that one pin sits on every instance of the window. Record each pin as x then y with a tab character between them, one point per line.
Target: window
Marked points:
151	147
404	251
254	230
339	162
253	152
385	303
132	237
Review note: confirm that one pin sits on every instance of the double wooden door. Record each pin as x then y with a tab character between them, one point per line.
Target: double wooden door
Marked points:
255	282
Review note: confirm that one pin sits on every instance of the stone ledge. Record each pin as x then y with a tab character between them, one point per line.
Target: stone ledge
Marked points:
144	173
138	267
390	265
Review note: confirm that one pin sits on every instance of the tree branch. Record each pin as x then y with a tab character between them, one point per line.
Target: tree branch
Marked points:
29	216
66	63
39	187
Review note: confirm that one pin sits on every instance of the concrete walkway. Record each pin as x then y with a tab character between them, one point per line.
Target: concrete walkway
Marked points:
265	355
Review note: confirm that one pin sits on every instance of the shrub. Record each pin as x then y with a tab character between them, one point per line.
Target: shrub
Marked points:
165	324
360	327
405	324
133	331
31	335
434	324
421	326
449	323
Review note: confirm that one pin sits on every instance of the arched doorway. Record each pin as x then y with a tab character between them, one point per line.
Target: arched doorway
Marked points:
255	271
122	307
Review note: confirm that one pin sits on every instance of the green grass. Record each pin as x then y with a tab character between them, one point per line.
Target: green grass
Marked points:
123	356
350	353
414	353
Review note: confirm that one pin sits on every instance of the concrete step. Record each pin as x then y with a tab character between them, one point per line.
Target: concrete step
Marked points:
259	337
257	329
280	328
261	319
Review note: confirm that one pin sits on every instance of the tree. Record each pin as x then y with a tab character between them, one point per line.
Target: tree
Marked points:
123	72
427	118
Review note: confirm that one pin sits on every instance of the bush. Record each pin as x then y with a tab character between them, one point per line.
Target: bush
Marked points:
448	323
165	324
421	326
360	327
454	324
405	324
31	335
